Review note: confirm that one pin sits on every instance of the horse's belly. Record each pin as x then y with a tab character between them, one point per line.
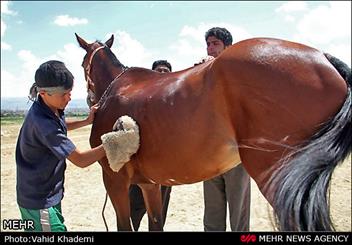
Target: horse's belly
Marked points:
186	167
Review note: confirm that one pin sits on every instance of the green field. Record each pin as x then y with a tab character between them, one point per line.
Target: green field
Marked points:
18	119
8	120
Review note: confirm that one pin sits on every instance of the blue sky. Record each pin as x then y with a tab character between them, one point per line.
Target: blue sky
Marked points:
33	32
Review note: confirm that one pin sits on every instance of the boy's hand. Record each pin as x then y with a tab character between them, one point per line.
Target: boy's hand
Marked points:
204	59
91	114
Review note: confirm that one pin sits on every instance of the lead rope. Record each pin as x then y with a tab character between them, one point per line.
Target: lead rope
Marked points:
110	85
99	103
102	213
89	80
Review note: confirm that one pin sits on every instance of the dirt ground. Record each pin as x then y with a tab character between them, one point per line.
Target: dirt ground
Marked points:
85	195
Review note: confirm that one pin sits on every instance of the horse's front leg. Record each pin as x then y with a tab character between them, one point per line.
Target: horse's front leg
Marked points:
152	200
117	187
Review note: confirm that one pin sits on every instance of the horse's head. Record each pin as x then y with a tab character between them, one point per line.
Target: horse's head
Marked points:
92	49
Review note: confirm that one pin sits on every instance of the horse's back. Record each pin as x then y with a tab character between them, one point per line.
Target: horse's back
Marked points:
293	75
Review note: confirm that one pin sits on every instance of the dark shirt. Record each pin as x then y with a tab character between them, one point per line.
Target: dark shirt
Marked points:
41	152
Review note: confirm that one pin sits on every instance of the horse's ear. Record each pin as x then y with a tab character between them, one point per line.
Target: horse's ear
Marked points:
110	41
81	42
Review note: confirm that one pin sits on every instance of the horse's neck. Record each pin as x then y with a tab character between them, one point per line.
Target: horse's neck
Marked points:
104	78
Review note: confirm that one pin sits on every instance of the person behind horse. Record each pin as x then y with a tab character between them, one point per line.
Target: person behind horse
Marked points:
135	193
43	146
162	66
232	187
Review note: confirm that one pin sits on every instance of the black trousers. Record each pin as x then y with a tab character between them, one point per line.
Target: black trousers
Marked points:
138	208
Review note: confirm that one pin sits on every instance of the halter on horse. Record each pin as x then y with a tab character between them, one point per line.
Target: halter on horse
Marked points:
91	99
281	108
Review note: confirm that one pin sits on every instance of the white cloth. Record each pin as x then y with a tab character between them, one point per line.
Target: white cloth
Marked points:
120	145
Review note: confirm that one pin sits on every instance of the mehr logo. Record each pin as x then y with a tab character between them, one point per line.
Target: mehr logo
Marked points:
18	224
248	238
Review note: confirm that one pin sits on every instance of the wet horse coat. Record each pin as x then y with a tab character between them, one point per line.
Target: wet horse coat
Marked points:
258	102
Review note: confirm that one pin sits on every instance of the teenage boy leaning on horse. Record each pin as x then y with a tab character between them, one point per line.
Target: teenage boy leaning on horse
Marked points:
43	146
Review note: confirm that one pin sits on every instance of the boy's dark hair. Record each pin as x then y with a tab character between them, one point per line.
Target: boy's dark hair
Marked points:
52	73
161	62
220	33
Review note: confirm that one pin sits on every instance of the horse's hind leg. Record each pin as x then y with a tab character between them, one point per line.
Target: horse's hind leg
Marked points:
152	200
117	188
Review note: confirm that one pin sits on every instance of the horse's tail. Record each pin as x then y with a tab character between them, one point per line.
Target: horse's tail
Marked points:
300	200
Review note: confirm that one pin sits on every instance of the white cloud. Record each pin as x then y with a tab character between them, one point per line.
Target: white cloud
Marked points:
341	51
30	61
195	33
129	51
5	11
66	20
5	8
326	27
9	84
288	10
5	46
293	6
325	24
3	28
290	18
17	85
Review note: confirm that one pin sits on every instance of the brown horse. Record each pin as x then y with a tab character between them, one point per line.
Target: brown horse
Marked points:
281	108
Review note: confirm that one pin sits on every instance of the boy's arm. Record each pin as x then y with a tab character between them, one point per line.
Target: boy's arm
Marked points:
86	158
81	123
76	123
118	146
